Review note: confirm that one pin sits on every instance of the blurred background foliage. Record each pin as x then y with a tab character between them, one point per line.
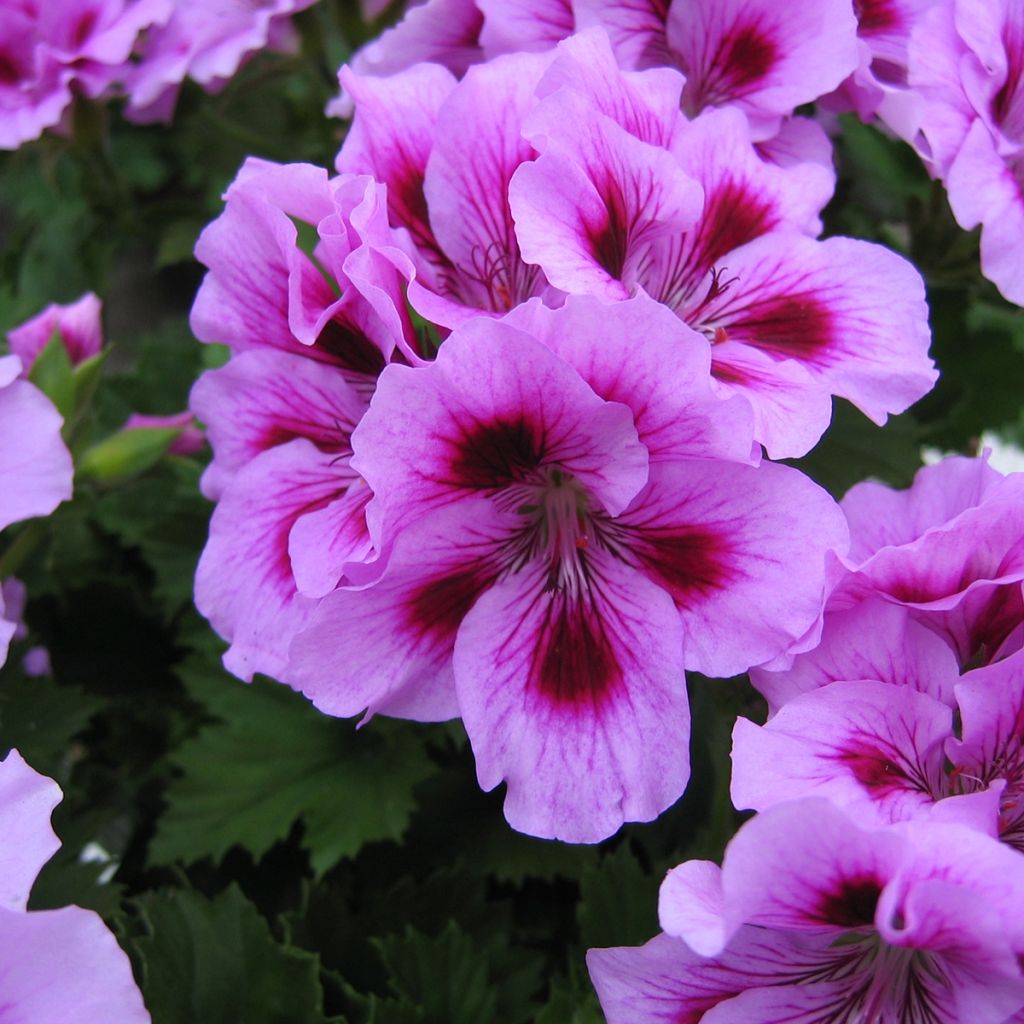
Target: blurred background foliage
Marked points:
262	863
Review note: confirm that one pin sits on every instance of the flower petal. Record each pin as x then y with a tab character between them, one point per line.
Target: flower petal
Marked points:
244	582
874	750
765	58
65	965
35	466
391	138
388	648
26	801
576	700
589	209
742	552
262	399
875	640
852	312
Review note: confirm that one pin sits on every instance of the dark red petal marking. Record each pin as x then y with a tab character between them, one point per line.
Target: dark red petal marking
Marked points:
10	71
689	563
876	16
791	327
743	59
1008	104
350	348
609	241
853	903
495	454
436	609
574	663
874	769
83	29
733	216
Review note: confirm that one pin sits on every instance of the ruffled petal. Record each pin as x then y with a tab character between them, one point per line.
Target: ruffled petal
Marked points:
576	700
742	552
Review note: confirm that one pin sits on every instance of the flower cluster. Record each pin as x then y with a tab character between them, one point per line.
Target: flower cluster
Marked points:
882	878
40	946
53	50
489	443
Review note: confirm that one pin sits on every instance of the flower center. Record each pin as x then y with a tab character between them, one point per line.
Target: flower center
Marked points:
557	525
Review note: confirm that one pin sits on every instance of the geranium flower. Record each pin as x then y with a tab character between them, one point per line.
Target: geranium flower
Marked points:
49	49
812	919
35	465
309	335
965	63
950	548
563	539
790	320
207	41
58	965
885	751
79	326
410	132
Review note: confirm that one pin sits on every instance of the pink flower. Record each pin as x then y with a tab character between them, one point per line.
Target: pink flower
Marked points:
811	918
49	49
411	132
610	207
207	41
950	549
188	442
78	325
564	537
888	751
965	62
58	964
35	465
764	58
308	339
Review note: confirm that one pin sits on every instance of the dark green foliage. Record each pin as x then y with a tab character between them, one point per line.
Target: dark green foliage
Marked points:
271	758
216	961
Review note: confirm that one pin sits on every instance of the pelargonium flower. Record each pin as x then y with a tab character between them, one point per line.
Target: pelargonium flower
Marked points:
879	84
35	465
886	751
570	520
207	41
78	324
791	320
951	549
58	964
190	439
411	133
762	57
811	918
965	63
49	49
308	340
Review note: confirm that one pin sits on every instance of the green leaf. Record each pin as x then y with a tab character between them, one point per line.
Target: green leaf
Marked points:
126	454
618	902
271	759
166	518
40	718
457	978
87	378
216	962
52	374
571	1006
